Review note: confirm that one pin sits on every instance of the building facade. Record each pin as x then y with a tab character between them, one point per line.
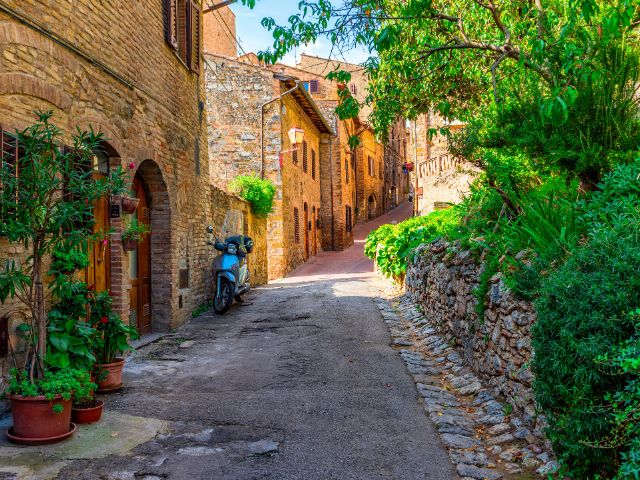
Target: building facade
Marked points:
251	110
219	32
439	179
132	71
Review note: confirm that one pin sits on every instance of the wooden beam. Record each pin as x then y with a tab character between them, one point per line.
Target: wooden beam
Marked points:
213	8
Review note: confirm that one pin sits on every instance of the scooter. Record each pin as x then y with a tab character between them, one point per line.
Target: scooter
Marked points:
230	270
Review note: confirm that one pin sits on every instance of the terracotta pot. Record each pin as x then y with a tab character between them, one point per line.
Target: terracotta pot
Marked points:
129	244
129	204
109	375
34	418
87	415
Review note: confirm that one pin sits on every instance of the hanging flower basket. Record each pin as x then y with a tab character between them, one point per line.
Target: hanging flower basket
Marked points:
130	244
129	204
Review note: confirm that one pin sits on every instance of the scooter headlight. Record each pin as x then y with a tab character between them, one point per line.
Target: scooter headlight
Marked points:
232	249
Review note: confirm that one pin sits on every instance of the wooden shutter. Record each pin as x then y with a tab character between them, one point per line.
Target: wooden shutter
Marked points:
313	164
9	162
296	225
182	29
195	27
304	156
170	25
313	86
295	157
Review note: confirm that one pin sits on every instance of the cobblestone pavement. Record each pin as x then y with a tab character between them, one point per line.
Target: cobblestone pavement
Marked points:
298	383
483	440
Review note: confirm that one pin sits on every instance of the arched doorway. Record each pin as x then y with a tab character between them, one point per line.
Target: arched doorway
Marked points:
306	230
140	264
371	207
150	271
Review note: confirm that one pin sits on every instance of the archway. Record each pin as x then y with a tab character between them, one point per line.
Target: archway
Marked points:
150	269
371	206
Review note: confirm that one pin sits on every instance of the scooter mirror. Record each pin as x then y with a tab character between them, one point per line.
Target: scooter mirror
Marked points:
209	229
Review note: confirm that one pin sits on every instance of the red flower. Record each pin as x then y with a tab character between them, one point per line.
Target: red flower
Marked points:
91	288
104	320
132	166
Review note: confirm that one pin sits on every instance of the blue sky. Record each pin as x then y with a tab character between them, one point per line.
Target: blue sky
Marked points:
254	37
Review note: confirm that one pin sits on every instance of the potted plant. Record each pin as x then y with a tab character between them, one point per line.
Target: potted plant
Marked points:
61	192
86	408
41	409
113	337
133	234
121	181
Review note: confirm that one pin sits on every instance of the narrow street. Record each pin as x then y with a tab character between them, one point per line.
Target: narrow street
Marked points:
298	383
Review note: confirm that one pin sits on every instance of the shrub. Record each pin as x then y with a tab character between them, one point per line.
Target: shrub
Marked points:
584	311
258	192
393	245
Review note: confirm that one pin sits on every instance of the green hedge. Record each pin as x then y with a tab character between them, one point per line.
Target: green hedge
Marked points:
258	192
392	245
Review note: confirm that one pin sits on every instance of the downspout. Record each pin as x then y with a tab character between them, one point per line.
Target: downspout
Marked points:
279	97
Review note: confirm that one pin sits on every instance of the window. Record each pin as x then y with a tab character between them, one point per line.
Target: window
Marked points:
346	170
295	157
304	156
296	225
371	167
353	88
313	86
305	85
10	153
313	164
182	28
348	219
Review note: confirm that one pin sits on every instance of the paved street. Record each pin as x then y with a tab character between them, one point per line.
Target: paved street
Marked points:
298	383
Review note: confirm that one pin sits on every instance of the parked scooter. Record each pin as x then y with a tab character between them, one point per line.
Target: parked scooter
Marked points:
230	270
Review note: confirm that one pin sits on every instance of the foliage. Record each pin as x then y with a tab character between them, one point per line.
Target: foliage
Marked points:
258	192
66	261
585	307
66	382
135	230
393	245
121	179
112	334
71	340
48	207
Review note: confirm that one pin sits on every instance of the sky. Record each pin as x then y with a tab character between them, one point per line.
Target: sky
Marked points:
253	37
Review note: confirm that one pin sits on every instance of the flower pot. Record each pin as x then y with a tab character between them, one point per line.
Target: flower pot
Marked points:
109	375
129	204
129	244
87	415
34	420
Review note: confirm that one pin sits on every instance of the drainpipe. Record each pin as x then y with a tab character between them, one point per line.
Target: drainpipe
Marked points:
262	166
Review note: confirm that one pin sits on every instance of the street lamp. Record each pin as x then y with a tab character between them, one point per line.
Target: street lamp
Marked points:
296	136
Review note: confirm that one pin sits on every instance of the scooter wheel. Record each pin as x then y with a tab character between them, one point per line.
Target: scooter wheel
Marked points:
224	297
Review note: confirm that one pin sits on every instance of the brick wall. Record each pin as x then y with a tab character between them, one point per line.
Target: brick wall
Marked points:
219	32
369	179
121	78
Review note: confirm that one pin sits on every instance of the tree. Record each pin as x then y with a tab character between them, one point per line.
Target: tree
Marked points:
47	195
572	64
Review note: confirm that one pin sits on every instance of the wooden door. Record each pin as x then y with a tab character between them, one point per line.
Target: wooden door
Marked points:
98	272
306	231
314	231
140	266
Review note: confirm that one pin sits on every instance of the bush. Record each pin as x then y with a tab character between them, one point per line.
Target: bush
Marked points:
584	311
258	192
393	245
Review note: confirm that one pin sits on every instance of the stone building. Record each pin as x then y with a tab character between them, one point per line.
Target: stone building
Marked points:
398	167
251	110
439	179
131	70
369	176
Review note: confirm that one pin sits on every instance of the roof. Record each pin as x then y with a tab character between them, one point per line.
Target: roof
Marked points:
305	101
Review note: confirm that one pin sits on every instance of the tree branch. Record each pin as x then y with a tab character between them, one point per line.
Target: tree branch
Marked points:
493	76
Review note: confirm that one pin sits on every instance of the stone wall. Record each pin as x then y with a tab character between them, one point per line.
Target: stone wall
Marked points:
497	346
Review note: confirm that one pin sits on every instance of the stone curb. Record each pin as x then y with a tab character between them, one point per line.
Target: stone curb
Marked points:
484	440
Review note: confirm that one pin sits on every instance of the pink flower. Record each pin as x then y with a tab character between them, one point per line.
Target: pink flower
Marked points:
105	241
132	166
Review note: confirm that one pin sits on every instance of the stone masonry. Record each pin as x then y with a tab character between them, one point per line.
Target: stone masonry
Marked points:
497	347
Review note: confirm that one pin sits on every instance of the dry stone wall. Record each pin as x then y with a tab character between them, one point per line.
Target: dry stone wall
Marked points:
442	280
